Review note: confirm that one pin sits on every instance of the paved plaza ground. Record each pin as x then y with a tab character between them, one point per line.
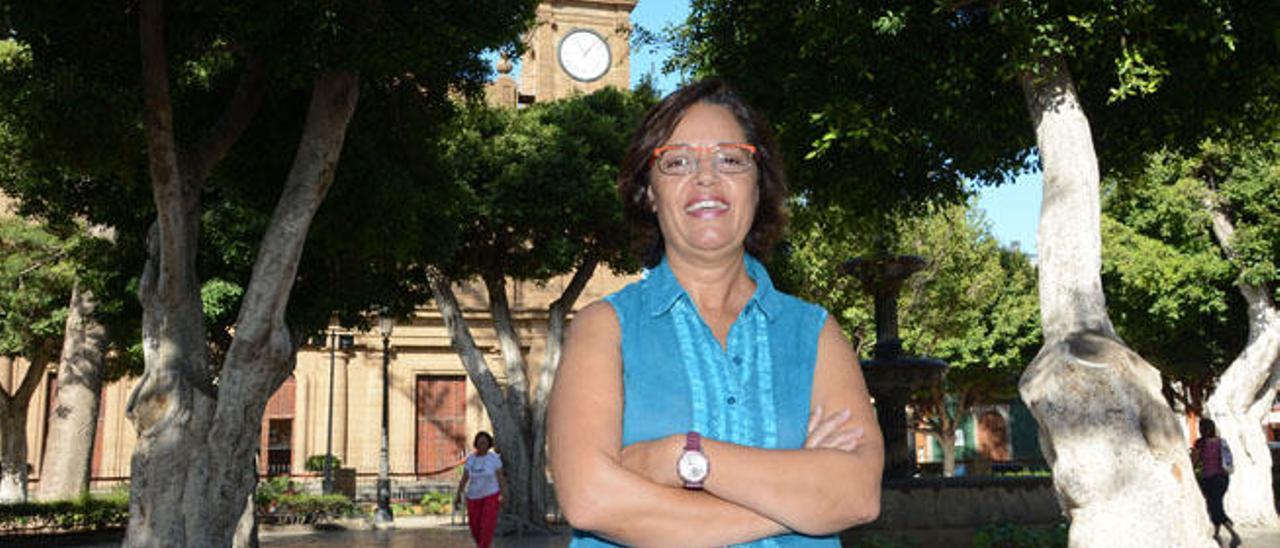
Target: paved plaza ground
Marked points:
445	536
426	532
406	537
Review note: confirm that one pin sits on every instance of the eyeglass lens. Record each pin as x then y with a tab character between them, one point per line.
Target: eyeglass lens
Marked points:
684	160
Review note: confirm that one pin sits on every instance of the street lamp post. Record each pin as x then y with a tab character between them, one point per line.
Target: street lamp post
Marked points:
327	485
383	515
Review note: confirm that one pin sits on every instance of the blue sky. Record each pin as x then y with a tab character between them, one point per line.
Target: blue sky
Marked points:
1013	210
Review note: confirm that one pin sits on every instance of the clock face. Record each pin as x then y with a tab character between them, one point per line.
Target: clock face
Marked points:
584	55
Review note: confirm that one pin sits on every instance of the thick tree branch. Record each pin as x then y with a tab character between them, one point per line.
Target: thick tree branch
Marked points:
1262	309
1069	235
235	118
333	101
460	335
172	196
512	356
557	318
30	380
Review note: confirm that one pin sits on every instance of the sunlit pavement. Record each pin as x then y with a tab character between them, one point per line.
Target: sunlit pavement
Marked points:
1256	538
446	536
408	533
411	533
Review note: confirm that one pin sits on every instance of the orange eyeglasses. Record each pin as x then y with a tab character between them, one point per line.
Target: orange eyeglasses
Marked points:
727	158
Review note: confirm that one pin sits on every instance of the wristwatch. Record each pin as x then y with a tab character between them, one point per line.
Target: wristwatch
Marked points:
693	465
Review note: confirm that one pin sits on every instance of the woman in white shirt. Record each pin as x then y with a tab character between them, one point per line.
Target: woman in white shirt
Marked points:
484	484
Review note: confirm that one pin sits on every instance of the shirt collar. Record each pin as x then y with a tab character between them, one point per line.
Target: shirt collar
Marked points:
664	289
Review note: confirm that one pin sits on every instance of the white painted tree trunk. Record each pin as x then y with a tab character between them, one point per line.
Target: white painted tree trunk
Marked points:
73	423
1243	396
14	402
948	443
510	436
1120	465
13	454
192	470
519	422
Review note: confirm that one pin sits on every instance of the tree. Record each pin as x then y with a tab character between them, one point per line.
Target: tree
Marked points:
99	297
973	306
198	414
1193	266
36	276
536	187
89	356
1143	70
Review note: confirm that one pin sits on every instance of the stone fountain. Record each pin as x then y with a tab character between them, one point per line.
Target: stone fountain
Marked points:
927	511
892	377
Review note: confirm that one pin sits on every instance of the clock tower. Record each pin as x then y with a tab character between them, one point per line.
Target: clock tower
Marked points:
577	46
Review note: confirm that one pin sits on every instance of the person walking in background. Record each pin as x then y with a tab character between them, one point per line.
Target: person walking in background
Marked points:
484	485
1212	460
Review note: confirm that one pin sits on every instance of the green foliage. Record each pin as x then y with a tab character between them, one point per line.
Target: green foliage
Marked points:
1006	535
272	489
437	502
974	305
315	463
1026	473
71	143
1171	288
537	185
278	499
883	542
305	508
110	511
37	273
882	107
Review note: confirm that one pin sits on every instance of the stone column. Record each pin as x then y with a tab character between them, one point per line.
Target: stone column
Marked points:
340	417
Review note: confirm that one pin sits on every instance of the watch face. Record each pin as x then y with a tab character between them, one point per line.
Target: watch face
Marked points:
584	55
692	466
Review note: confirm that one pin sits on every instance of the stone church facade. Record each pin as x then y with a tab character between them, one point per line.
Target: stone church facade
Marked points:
576	46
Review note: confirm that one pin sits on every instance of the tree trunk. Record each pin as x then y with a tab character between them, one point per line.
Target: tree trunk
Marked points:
1244	395
557	319
192	470
14	402
520	510
73	424
519	431
1120	464
947	439
13	454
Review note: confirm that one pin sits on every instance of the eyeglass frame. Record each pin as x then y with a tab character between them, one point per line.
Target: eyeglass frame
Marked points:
658	151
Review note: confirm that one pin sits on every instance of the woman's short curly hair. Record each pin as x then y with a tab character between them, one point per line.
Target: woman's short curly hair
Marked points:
658	125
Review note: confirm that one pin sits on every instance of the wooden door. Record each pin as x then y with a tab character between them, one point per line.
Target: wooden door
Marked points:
441	414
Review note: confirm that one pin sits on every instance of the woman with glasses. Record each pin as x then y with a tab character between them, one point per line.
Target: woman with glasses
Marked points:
700	406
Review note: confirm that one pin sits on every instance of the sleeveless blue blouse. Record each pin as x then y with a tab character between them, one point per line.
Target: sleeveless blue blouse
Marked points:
676	377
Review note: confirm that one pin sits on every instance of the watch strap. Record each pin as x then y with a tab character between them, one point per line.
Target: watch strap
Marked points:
692	441
692	444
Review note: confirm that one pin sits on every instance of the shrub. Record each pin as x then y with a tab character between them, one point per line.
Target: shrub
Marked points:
315	463
86	513
882	542
437	502
1007	535
303	508
272	489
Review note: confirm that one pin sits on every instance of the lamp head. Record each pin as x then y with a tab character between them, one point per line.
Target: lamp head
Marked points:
386	322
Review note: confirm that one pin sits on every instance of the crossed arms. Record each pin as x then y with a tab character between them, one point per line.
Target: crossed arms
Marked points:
632	496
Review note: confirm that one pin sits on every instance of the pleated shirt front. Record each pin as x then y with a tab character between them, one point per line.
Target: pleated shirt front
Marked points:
753	391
